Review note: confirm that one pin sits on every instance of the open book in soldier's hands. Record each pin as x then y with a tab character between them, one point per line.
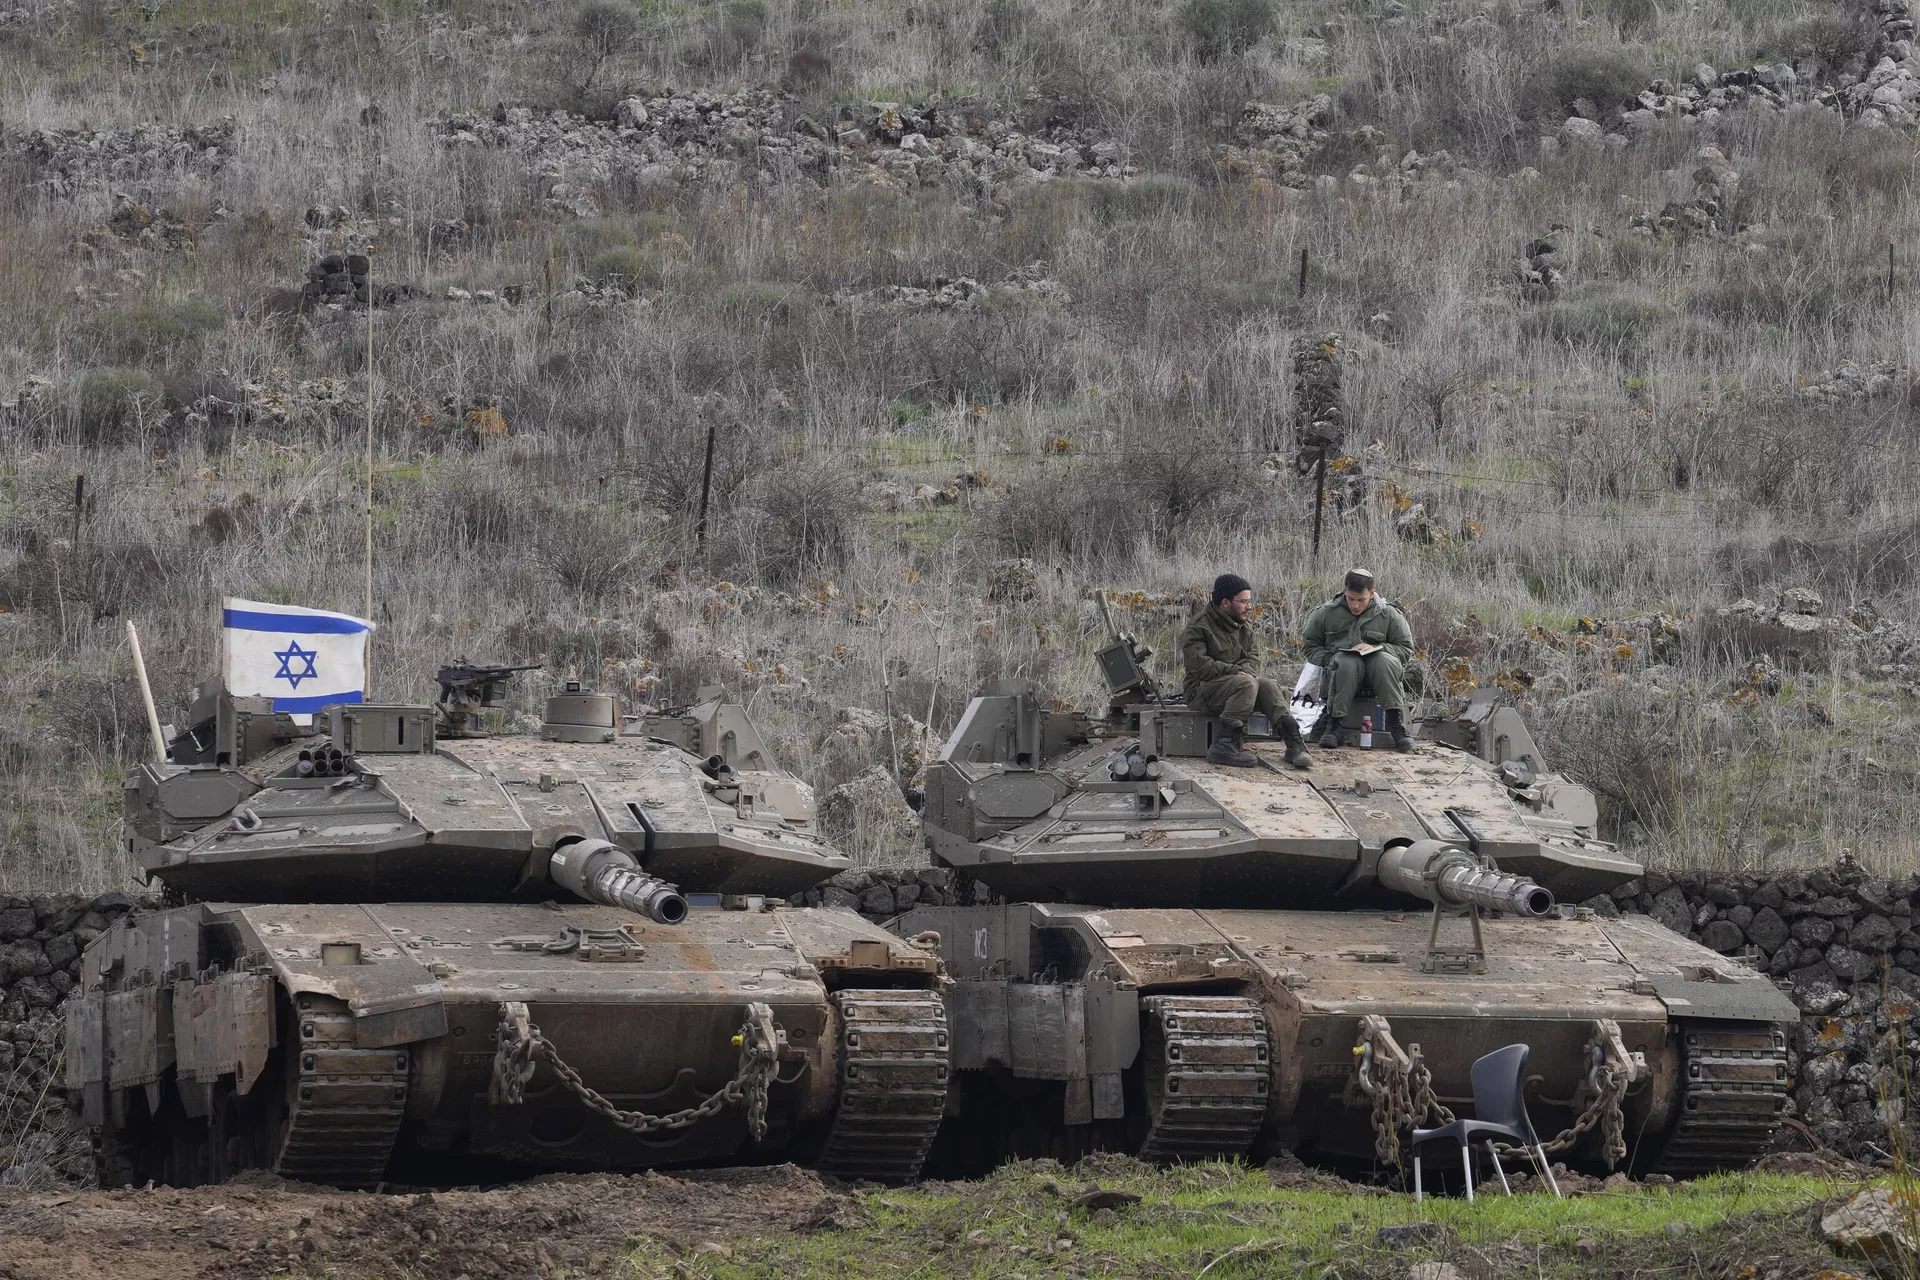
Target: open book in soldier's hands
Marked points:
1363	648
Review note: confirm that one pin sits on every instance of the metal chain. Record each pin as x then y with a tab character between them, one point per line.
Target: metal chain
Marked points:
1400	1087
521	1043
1607	1082
1384	1075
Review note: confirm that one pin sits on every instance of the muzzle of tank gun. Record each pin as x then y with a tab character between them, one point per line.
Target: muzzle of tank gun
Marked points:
605	873
1447	874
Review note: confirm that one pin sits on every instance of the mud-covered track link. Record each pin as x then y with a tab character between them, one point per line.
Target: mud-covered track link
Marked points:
1733	1093
894	1074
1208	1070
344	1104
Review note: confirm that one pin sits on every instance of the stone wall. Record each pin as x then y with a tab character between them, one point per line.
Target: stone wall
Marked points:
40	943
1846	942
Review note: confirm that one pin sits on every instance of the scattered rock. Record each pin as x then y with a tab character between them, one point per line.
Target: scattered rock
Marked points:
1875	1224
1104	1198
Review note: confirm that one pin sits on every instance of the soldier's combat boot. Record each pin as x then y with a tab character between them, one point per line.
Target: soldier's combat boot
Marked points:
1397	730
1328	731
1296	745
1226	748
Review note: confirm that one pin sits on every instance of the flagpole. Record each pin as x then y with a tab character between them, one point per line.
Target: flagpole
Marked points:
369	490
146	696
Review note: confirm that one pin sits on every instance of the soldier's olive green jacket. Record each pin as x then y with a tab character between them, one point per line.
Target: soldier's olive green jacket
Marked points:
1333	627
1214	645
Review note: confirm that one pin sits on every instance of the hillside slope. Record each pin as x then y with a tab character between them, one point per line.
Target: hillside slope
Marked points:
1624	296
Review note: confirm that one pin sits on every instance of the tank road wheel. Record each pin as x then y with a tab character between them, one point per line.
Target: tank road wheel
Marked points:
893	1083
344	1104
1733	1091
1208	1075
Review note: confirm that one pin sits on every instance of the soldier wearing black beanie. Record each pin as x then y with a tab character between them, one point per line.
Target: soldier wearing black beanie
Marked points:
1229	585
1223	657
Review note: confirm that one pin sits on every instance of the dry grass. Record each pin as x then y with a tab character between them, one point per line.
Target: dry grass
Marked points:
1626	446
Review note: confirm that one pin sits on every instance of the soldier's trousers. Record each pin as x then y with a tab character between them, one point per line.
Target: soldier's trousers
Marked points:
1233	698
1350	670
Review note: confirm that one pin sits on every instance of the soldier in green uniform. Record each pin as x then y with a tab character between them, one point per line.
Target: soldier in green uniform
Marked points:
1223	660
1357	637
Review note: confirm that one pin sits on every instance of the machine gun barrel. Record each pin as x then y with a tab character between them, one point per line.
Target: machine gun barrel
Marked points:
605	873
1450	876
467	674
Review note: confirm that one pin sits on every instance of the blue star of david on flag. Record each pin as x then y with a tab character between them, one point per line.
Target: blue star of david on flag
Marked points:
306	660
291	654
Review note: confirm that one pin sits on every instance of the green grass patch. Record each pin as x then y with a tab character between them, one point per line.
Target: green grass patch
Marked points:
1230	1222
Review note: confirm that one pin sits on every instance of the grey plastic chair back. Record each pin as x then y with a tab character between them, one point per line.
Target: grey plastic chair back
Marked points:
1499	1082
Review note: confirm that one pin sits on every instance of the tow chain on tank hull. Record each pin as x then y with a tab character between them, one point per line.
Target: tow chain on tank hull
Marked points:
1256	1044
211	1039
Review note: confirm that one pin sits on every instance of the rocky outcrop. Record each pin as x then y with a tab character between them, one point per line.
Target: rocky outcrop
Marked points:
880	893
74	160
756	135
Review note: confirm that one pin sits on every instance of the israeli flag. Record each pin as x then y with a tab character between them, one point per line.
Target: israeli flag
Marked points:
304	659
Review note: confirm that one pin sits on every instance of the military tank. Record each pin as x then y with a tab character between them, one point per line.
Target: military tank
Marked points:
400	940
1199	961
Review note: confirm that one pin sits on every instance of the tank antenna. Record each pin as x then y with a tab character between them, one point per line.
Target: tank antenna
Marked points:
146	695
368	613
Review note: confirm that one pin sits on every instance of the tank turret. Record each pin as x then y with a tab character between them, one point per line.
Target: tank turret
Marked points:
402	801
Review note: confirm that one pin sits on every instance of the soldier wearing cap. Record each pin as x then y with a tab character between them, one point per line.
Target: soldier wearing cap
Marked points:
1358	638
1223	658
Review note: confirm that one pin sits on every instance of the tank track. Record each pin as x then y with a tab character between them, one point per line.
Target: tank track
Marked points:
1735	1089
1208	1072
344	1104
893	1083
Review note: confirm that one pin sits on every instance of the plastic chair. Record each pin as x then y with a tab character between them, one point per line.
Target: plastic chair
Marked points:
1499	1082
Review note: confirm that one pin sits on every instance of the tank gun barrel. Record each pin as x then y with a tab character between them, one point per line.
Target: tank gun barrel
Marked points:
605	873
1450	876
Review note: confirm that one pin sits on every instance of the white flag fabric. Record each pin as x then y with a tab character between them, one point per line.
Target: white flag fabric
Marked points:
304	659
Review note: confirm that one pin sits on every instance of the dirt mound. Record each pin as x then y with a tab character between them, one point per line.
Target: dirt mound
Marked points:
264	1225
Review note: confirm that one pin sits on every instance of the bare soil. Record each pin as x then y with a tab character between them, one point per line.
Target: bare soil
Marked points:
263	1226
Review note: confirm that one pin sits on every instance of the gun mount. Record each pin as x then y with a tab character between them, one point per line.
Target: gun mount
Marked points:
468	687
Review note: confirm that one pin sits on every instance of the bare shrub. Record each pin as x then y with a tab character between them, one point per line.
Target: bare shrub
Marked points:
1221	27
600	32
1107	509
795	519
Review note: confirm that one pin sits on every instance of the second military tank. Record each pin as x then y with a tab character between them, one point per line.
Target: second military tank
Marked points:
1200	961
405	941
